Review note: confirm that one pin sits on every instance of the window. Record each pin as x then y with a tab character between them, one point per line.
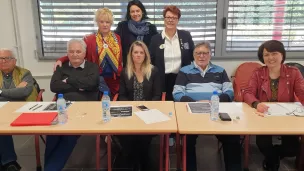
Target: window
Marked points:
250	23
60	20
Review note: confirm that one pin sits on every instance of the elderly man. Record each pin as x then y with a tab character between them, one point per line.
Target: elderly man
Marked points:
16	84
196	82
77	80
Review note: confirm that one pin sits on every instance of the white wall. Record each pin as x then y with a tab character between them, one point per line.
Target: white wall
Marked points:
25	37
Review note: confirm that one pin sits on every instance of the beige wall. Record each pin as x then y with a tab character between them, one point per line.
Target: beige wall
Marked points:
25	36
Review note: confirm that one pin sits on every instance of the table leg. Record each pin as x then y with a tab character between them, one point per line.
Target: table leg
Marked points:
97	152
246	152
161	152
178	151
300	164
109	145
167	151
184	152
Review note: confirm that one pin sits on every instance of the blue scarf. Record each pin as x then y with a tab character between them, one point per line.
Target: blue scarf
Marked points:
140	29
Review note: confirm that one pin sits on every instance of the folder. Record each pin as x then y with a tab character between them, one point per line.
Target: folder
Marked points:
35	119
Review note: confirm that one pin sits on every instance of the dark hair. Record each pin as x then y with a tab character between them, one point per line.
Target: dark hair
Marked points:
173	9
272	46
139	5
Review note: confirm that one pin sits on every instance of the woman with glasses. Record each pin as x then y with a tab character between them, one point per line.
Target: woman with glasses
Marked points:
274	82
104	49
135	27
171	49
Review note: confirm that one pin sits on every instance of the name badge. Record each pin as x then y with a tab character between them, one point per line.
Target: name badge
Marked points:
186	45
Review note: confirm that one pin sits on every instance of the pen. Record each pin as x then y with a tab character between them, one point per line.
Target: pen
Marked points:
33	107
37	107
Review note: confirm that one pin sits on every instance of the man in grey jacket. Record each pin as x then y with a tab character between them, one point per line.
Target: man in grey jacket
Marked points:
16	84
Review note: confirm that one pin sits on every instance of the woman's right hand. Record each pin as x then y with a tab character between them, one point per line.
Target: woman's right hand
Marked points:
58	63
262	108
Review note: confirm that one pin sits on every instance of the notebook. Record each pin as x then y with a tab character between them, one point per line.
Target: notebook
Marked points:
35	119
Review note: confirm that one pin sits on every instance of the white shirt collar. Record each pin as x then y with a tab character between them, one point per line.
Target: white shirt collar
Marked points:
164	35
201	70
81	66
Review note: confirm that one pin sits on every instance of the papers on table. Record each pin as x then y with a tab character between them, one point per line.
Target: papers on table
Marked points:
2	104
285	109
234	109
152	116
39	107
198	107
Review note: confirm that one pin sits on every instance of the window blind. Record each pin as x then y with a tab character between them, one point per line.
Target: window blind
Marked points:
252	22
61	20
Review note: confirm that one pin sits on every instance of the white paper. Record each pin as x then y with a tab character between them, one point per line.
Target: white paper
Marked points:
28	107
234	109
2	104
152	116
284	109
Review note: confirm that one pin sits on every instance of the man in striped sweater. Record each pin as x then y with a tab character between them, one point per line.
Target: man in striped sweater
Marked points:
196	82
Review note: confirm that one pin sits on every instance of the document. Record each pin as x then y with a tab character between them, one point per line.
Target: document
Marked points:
152	116
234	109
198	107
2	104
39	107
285	109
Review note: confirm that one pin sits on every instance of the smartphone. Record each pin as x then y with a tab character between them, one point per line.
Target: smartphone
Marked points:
224	117
142	107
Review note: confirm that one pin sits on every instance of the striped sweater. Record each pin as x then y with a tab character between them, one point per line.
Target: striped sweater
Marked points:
194	84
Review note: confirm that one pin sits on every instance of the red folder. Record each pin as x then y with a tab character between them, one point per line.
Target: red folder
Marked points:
35	119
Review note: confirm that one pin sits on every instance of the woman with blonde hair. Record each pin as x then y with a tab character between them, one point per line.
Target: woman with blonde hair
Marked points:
139	81
104	49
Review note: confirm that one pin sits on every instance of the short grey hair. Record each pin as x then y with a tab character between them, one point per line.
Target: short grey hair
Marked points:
83	44
10	50
203	43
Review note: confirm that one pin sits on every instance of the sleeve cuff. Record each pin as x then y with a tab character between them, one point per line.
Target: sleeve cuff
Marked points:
255	104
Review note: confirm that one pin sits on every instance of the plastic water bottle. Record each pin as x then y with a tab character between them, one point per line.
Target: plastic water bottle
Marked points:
61	107
106	117
215	102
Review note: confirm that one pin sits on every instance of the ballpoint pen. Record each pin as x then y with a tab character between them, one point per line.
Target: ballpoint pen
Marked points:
37	107
33	107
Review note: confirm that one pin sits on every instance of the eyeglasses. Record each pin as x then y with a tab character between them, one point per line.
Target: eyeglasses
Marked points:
9	58
201	53
171	18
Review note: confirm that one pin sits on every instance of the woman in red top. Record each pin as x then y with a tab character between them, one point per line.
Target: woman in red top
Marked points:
104	49
275	82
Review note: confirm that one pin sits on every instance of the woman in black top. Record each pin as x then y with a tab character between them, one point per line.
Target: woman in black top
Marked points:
171	49
139	81
135	27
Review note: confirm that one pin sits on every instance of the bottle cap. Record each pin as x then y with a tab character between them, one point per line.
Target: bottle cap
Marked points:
105	93
214	92
60	96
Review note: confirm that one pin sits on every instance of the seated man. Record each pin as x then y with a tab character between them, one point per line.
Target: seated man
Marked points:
77	80
16	84
196	82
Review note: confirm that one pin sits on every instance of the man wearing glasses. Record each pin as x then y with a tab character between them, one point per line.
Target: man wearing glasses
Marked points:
16	84
197	82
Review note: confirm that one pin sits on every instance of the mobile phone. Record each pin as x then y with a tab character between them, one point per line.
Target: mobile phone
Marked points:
224	117
142	107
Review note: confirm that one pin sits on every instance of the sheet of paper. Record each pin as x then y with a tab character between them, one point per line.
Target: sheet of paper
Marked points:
2	104
152	116
285	109
234	109
34	107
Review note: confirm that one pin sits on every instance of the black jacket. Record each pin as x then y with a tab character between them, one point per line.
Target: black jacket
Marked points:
82	83
157	53
127	38
152	87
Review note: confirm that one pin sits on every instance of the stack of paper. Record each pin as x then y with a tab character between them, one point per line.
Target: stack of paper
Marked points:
2	104
198	107
284	109
234	109
152	116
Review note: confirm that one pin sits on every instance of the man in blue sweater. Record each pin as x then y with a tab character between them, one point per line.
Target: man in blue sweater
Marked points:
196	82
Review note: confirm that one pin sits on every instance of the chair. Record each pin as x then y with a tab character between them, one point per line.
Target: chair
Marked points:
37	146
301	68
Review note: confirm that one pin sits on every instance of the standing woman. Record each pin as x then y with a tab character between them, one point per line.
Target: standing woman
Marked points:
274	82
104	49
171	50
139	82
135	27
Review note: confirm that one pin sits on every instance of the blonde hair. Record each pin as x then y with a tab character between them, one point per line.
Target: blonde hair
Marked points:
104	12
146	67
